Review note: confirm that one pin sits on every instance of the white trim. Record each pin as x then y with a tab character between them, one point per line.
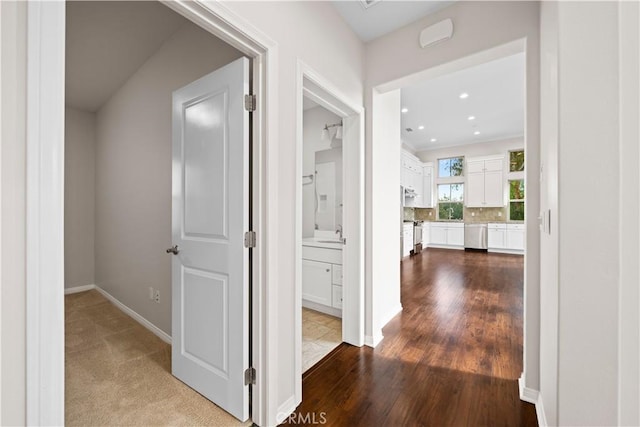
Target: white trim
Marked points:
527	394
310	83
128	311
530	395
45	213
540	414
135	316
373	341
331	311
78	289
506	251
45	192
436	246
286	409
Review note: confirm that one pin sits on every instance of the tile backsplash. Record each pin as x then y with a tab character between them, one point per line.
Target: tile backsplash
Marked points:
409	214
471	215
425	214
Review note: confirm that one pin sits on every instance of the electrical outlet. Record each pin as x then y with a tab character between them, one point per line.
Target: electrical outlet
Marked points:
156	296
499	213
430	213
151	293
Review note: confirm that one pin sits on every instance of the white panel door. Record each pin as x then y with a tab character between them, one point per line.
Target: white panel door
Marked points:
210	213
515	239
438	235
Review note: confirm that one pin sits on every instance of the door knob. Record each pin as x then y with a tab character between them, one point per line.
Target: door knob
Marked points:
173	250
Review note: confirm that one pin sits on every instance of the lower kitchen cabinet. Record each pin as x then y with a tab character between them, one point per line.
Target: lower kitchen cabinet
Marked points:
507	238
446	235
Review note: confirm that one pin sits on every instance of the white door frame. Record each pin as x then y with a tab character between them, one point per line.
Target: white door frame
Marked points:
311	84
45	202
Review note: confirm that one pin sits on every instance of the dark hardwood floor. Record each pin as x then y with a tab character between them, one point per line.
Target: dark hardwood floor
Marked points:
451	358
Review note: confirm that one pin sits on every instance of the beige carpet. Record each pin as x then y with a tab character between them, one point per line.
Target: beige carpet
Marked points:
321	333
119	373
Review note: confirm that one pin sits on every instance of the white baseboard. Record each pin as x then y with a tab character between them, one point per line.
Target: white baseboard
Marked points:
77	289
373	340
533	396
331	311
138	318
506	251
286	409
542	418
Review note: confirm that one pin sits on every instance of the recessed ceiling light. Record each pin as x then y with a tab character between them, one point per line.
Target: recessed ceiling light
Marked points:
464	95
420	127
404	110
433	140
477	132
471	118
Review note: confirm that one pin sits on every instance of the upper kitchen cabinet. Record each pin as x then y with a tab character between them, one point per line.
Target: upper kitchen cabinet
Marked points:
427	185
485	183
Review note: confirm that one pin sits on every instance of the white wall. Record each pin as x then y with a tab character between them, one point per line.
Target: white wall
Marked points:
472	150
594	339
133	172
12	212
315	33
79	200
478	26
313	121
384	292
549	203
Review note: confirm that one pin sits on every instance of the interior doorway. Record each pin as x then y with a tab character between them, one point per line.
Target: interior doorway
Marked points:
482	182
45	209
130	68
329	219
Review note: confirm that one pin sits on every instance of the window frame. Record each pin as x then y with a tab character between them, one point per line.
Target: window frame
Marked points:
450	202
523	200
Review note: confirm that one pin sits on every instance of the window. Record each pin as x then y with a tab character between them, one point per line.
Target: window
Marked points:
516	161
516	200
453	166
450	198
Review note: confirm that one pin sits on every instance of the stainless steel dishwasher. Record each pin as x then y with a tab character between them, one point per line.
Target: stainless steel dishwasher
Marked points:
475	236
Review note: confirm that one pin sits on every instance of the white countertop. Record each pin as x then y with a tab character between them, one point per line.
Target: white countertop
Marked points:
319	242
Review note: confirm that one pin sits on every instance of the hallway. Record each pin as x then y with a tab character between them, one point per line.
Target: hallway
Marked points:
452	357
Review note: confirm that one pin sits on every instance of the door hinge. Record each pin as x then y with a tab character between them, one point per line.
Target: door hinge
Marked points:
250	239
250	103
249	376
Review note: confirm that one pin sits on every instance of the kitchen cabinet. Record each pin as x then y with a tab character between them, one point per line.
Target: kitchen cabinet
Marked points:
322	278
427	186
446	234
515	237
497	236
316	282
506	238
485	182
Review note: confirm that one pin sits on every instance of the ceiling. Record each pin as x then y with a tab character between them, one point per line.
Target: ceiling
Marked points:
495	99
107	42
384	16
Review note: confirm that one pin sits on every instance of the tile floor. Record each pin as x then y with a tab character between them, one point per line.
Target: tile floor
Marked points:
321	333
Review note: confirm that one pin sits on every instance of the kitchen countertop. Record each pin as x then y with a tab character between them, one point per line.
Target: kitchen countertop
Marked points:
319	242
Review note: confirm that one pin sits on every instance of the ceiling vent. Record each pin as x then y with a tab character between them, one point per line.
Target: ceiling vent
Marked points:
368	3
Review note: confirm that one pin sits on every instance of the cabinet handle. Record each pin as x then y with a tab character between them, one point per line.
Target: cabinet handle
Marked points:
328	270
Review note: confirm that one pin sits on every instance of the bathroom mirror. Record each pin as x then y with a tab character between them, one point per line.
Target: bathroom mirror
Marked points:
328	189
